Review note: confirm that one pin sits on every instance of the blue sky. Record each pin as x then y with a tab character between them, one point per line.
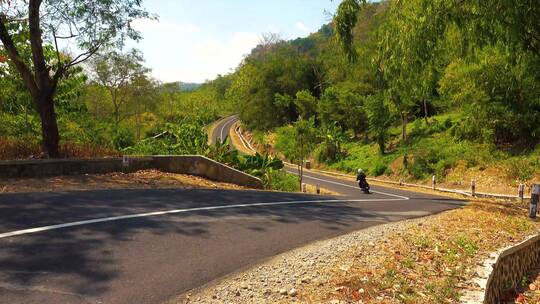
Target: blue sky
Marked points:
194	41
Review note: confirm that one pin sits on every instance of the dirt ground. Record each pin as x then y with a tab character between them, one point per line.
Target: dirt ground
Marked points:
144	179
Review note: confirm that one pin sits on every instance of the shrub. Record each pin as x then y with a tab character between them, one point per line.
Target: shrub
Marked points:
282	181
326	153
520	170
123	138
379	169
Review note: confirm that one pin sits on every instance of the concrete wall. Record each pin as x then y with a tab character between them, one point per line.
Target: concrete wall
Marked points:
511	266
57	167
193	165
205	167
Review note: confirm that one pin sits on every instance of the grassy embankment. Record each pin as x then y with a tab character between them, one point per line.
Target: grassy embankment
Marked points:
433	149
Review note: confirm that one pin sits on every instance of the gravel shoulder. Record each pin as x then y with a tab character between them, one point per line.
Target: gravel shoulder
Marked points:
282	278
432	259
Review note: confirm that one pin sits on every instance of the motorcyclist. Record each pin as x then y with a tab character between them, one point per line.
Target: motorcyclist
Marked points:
361	176
362	181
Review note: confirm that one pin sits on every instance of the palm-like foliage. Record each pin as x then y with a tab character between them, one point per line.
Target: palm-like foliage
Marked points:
261	166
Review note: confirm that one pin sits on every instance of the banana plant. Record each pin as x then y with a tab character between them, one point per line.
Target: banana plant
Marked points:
261	166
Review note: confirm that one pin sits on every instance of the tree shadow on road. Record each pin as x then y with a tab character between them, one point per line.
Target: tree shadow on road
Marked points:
82	259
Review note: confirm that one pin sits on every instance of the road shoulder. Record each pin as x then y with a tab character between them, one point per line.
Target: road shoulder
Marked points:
424	260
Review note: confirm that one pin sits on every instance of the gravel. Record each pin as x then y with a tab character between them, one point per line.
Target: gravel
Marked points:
282	279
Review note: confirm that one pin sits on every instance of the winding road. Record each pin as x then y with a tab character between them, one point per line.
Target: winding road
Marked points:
148	246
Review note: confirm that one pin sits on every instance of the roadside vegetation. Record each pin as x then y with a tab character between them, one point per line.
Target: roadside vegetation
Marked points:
405	89
104	103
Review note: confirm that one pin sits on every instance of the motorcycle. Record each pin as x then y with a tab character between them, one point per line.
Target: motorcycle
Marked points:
364	186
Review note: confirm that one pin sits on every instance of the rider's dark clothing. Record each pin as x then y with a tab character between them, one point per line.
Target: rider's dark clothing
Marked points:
361	176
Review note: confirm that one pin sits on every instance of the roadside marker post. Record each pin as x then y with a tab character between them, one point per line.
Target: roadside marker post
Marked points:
533	206
125	161
318	189
521	192
304	188
434	182
473	187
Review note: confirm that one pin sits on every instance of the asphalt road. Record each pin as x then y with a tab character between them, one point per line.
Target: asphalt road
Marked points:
148	246
221	131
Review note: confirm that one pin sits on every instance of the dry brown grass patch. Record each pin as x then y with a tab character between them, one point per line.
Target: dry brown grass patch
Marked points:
428	262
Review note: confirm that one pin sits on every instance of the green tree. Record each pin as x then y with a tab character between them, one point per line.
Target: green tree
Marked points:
407	49
306	104
345	108
379	119
296	142
90	25
279	69
116	72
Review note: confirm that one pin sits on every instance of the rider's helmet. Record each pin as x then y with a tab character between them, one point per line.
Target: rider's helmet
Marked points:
360	171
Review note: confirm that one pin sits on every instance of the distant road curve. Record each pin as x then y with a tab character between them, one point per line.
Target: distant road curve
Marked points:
221	129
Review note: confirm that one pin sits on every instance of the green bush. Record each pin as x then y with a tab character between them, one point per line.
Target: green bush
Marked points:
282	181
379	169
187	137
123	138
519	169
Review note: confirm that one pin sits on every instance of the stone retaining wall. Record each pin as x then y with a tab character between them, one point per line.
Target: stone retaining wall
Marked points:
189	164
509	269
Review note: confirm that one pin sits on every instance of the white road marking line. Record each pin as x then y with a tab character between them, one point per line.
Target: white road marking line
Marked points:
345	185
176	211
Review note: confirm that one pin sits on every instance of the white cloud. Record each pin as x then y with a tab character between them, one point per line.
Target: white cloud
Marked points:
213	56
302	27
185	52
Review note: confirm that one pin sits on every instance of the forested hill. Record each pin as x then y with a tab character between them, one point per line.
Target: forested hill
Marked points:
408	88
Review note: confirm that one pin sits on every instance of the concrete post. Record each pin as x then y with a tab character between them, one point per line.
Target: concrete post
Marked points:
125	161
304	188
473	187
521	192
433	182
533	206
401	181
318	189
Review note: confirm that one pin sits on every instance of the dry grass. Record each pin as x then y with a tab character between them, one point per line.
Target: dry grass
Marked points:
25	149
428	262
313	190
145	179
237	142
17	149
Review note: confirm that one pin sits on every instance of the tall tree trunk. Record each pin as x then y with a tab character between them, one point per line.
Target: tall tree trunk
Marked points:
380	141
404	126
426	112
37	79
49	127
